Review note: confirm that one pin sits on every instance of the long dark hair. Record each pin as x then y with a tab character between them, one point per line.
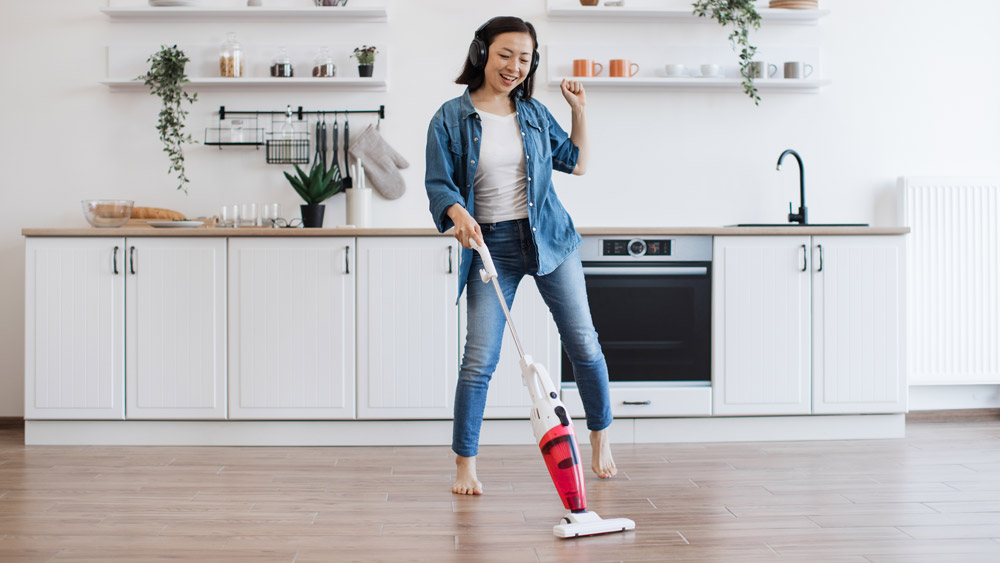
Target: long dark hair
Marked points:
474	77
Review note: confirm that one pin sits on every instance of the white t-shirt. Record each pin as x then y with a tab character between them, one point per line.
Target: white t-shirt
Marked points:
500	189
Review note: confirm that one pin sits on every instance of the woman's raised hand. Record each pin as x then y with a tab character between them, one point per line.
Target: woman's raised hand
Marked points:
573	91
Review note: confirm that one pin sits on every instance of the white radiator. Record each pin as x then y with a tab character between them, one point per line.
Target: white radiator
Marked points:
953	260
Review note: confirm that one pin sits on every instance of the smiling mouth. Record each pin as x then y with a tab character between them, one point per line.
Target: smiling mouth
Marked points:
511	79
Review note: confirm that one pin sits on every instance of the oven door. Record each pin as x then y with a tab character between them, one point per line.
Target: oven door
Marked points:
653	322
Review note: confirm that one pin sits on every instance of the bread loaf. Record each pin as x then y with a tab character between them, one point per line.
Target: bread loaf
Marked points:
156	213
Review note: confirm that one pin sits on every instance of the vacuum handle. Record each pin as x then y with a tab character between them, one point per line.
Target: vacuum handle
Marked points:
490	271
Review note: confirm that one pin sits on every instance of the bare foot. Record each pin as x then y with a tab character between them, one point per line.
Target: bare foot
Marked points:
602	463
466	482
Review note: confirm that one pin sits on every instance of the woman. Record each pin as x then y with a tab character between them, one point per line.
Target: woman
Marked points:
498	191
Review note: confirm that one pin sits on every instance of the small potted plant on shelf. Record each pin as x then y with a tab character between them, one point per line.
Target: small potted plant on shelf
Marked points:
315	188
366	60
166	79
741	15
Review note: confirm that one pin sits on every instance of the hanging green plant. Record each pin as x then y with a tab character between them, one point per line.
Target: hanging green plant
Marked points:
166	79
741	16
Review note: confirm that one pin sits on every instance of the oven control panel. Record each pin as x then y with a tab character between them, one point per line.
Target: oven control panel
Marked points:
635	247
646	248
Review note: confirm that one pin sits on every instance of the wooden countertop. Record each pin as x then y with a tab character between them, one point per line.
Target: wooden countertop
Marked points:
410	232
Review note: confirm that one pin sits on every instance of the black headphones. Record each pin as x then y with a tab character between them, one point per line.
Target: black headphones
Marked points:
479	52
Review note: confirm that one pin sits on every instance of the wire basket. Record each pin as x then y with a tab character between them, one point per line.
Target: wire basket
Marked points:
288	148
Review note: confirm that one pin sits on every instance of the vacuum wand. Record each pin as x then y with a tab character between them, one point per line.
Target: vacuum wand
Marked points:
554	433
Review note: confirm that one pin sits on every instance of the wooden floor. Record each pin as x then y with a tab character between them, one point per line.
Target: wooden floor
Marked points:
931	497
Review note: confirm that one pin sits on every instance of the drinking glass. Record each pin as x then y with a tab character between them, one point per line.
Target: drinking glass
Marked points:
248	215
269	213
229	216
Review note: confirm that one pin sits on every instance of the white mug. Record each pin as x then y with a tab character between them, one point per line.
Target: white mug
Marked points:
797	69
675	69
760	69
709	70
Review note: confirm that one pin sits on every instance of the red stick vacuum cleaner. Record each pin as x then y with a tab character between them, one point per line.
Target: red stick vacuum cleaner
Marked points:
554	434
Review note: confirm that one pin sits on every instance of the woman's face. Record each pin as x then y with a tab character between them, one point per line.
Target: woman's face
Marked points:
509	61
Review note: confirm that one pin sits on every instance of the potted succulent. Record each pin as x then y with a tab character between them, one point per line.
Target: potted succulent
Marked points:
314	188
366	60
166	79
741	16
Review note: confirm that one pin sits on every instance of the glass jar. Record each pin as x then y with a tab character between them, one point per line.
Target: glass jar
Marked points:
323	64
281	65
231	61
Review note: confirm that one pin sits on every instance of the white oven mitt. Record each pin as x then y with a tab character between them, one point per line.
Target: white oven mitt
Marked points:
382	163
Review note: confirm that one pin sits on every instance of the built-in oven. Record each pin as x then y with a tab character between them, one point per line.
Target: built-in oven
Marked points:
650	298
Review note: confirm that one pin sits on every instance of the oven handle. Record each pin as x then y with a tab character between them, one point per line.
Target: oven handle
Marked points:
645	271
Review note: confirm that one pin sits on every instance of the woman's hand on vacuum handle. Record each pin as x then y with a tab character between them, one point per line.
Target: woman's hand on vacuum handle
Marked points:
466	227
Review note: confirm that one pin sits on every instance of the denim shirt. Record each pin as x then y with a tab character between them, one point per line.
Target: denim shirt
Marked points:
453	142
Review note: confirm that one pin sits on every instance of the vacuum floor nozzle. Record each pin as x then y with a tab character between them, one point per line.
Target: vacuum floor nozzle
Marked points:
590	524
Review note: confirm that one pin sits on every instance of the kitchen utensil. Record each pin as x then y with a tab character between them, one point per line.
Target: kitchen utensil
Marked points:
336	159
709	70
348	182
760	69
107	213
674	70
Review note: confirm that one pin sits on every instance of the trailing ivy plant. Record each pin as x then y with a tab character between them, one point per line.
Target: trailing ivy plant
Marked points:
166	79
741	16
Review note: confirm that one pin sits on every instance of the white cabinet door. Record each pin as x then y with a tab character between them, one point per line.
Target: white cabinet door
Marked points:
175	318
761	325
291	328
508	397
858	304
74	322
407	327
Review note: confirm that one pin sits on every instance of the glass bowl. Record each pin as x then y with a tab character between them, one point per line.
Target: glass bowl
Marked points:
107	213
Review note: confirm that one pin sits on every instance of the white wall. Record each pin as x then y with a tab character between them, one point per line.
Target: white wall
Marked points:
913	98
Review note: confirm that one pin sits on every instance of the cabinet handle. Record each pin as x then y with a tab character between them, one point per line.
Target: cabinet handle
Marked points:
630	403
114	262
805	250
449	259
131	259
347	259
820	258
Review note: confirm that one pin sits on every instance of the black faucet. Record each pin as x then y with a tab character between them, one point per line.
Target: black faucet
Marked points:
802	216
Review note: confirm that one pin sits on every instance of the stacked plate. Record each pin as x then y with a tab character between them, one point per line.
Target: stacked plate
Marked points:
795	4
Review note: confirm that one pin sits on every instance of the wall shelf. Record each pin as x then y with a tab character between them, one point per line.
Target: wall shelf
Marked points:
571	10
244	13
693	83
372	84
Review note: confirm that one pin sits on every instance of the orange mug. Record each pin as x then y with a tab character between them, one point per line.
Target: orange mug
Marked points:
586	67
622	68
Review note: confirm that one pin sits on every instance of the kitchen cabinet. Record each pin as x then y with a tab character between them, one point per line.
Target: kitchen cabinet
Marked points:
761	325
808	325
175	328
292	320
106	315
407	327
74	328
858	304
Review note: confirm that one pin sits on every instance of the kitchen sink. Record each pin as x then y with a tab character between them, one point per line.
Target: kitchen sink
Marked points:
800	225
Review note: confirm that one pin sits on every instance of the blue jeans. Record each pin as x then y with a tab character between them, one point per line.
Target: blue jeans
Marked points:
565	293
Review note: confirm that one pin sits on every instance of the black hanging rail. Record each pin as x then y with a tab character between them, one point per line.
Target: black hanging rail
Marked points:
300	113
